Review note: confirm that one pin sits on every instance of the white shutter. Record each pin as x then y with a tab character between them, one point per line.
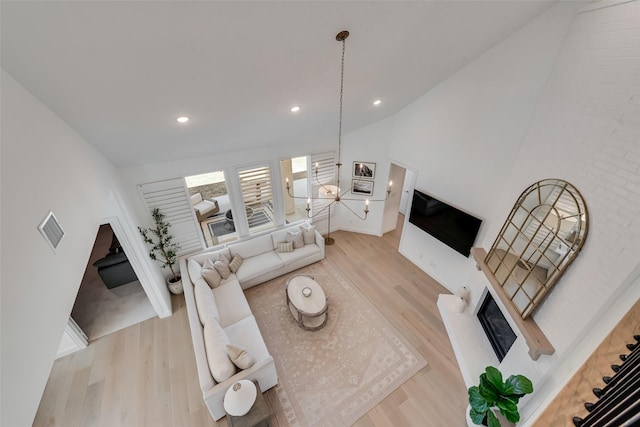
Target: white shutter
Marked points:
172	198
256	186
326	176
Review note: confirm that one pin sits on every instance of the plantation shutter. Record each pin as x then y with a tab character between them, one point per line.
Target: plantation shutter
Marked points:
327	176
256	186
172	199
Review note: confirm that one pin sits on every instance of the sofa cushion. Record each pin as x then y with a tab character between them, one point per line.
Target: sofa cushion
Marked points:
258	265
308	233
296	238
235	263
285	247
205	301
240	357
233	304
215	344
194	269
245	333
303	252
252	247
210	274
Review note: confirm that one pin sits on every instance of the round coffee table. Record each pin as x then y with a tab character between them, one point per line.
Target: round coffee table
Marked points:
307	302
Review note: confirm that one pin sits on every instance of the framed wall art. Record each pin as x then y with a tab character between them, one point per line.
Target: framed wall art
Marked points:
364	170
364	188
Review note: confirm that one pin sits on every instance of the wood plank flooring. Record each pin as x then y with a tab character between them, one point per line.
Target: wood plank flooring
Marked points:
145	375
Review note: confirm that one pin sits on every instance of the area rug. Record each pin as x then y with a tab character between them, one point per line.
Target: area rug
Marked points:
333	376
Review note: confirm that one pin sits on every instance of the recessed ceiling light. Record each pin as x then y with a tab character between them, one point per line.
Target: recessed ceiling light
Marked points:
377	102
295	109
183	119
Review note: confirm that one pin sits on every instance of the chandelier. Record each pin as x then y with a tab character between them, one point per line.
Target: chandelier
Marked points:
331	192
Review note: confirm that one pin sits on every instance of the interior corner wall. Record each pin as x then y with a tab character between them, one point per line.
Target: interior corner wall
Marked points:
45	165
464	136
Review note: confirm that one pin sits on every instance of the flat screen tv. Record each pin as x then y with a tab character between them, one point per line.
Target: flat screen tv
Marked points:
451	226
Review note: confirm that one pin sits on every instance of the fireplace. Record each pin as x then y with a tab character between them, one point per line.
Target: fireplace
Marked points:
496	327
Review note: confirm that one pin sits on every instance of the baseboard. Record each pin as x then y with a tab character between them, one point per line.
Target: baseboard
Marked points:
356	230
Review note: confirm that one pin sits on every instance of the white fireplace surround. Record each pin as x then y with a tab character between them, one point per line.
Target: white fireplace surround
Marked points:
469	341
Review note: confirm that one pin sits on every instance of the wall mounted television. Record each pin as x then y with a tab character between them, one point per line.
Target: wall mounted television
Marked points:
450	225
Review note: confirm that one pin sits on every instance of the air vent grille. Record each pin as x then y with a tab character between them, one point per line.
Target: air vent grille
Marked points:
51	230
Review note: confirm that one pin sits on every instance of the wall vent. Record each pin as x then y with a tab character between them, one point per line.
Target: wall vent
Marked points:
51	230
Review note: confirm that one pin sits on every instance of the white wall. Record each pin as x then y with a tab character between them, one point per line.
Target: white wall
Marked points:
369	144
45	166
464	135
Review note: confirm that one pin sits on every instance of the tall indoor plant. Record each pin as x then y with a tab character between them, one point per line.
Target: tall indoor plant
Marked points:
492	392
163	248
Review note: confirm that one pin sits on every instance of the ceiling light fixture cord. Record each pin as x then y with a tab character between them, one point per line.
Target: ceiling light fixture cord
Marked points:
334	196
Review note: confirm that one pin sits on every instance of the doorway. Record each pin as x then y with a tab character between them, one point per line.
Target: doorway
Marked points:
395	207
113	298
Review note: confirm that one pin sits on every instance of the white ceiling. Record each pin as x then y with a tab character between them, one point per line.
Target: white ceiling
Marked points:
120	72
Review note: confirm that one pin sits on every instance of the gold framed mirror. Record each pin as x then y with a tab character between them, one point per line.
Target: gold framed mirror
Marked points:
543	234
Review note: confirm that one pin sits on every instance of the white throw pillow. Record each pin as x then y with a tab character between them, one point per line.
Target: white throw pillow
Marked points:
205	301
296	238
194	269
308	233
222	266
240	357
215	344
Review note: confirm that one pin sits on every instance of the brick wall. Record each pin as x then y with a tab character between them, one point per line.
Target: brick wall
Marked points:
586	130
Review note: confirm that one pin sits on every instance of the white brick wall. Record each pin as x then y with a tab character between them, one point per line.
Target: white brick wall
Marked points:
587	130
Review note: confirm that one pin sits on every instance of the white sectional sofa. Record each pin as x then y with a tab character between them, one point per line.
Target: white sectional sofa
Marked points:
262	260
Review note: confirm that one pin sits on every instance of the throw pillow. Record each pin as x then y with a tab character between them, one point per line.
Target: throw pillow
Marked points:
235	263
205	301
223	258
215	342
240	357
194	269
296	238
308	233
210	274
285	247
222	268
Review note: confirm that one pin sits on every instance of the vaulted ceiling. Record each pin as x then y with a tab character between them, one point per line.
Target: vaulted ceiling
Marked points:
121	72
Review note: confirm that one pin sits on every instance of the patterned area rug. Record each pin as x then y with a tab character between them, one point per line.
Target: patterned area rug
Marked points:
333	376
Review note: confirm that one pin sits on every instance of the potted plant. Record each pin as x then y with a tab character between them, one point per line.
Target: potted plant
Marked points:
163	248
492	392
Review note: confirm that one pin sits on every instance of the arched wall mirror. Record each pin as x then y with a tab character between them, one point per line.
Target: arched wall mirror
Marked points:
541	237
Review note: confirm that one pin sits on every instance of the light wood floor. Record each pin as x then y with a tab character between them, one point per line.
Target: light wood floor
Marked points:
146	374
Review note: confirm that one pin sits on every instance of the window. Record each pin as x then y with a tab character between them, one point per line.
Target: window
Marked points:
210	202
257	197
294	171
309	177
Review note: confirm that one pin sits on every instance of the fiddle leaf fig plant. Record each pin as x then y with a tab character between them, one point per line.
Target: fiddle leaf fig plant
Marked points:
493	392
163	248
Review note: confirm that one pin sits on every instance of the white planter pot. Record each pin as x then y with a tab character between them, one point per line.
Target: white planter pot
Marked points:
175	287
